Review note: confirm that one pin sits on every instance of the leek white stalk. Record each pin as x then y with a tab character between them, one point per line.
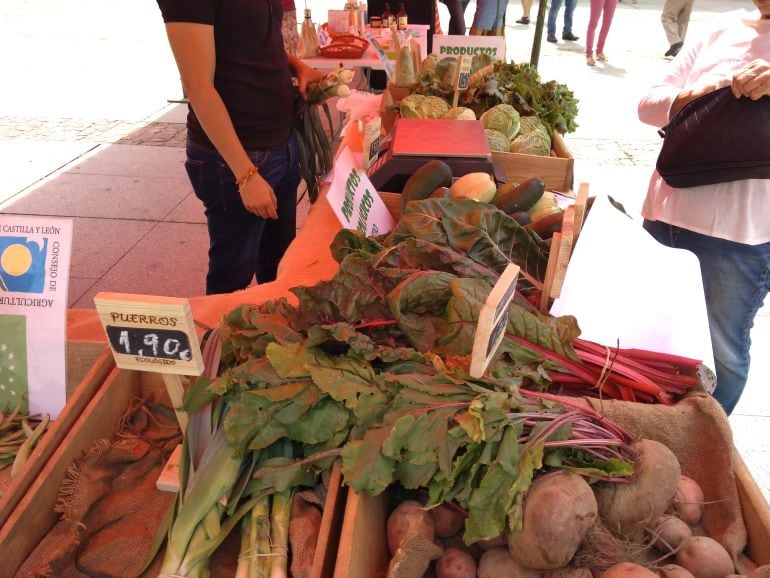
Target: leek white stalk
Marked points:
211	482
279	534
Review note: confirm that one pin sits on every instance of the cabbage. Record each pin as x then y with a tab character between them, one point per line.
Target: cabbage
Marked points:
433	107
497	140
420	106
428	64
534	138
446	71
460	113
409	106
503	118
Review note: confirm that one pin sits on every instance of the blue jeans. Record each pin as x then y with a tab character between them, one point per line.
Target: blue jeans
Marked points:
241	244
490	14
736	279
553	12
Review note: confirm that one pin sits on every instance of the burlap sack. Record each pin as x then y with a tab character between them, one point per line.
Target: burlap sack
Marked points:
304	528
698	432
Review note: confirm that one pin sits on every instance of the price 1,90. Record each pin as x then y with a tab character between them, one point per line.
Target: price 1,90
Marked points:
144	342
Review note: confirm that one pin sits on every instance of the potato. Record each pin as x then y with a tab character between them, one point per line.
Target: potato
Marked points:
497	562
558	510
407	519
626	508
688	501
705	558
455	563
498	542
447	520
457	541
760	572
569	572
669	532
627	570
674	571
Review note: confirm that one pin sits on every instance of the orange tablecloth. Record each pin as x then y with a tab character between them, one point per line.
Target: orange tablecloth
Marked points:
307	261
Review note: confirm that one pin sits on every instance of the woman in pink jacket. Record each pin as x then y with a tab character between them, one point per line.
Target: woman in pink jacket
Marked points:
605	9
725	225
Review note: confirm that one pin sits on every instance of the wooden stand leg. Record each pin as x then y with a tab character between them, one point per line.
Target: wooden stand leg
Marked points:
176	393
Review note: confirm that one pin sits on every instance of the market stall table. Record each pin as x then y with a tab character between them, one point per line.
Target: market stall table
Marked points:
417	32
308	261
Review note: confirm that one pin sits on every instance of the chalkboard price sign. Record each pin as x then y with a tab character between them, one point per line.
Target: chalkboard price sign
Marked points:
493	319
158	343
151	333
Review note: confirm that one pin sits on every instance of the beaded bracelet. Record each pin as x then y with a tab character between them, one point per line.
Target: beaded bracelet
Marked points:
242	181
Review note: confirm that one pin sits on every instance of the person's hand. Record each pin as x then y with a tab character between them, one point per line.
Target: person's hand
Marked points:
753	80
306	75
258	197
695	92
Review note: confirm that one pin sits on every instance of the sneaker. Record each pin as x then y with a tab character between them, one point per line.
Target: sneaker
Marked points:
551	38
569	36
523	20
674	49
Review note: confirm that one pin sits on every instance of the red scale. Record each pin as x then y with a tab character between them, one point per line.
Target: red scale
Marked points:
461	144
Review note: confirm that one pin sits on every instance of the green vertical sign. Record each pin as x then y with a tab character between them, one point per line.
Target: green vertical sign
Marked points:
14	384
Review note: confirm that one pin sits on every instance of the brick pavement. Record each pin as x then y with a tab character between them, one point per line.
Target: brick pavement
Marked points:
597	151
101	131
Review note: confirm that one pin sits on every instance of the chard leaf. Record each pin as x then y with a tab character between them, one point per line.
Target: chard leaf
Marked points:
553	333
462	315
355	293
289	361
198	395
437	386
255	372
364	467
414	476
472	423
247	330
529	462
509	453
457	484
343	385
281	474
481	231
249	422
322	422
361	345
418	439
417	303
350	241
489	505
286	391
418	254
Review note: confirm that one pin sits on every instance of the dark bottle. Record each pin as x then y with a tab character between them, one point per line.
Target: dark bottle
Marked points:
401	18
388	17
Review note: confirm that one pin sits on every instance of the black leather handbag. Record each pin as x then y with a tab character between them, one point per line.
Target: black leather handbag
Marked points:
716	138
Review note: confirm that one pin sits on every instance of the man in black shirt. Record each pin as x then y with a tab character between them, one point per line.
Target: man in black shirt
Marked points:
242	157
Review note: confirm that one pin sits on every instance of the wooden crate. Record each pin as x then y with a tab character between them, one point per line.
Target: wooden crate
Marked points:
88	364
363	550
557	170
34	515
756	512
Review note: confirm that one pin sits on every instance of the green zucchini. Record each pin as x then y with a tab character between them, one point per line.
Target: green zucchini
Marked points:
512	197
422	182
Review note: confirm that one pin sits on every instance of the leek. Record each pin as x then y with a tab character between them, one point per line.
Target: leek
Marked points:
211	482
279	534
